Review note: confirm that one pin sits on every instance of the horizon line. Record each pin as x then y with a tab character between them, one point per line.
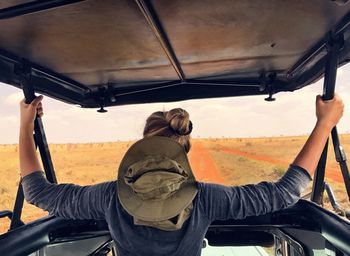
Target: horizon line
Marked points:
194	138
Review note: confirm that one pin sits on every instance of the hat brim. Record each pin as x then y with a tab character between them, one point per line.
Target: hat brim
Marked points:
151	210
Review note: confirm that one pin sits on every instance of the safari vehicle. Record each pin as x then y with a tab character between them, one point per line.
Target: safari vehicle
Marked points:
104	53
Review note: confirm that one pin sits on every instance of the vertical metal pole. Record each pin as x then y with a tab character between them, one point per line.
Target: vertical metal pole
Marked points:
39	132
341	159
40	142
318	184
17	209
333	49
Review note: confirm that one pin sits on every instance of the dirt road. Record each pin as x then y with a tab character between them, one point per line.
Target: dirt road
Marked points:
203	165
205	169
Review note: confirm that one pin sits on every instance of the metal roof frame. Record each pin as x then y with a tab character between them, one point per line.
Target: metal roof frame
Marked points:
306	70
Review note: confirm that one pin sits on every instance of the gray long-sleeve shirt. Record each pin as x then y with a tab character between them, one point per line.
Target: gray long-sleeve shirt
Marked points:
213	202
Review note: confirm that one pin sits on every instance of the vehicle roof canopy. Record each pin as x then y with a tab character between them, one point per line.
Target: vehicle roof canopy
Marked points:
111	52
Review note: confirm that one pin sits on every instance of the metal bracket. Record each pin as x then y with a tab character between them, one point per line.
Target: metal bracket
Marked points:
24	75
336	207
268	83
263	81
270	98
281	236
102	98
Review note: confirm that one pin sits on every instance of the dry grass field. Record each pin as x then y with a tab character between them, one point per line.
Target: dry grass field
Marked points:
226	161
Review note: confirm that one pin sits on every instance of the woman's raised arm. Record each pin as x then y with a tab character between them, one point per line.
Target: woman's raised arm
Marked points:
222	202
64	200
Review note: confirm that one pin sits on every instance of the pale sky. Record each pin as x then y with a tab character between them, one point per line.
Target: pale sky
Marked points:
251	116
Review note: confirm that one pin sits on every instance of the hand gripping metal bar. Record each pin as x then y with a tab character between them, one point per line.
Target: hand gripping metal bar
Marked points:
334	46
40	141
39	132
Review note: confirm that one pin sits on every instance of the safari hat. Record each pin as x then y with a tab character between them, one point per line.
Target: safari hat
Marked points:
155	180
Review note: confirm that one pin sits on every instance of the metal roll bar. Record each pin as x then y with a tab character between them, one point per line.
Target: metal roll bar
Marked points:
24	73
334	46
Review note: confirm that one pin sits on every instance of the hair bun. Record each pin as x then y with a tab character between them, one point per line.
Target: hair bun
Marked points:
174	124
179	121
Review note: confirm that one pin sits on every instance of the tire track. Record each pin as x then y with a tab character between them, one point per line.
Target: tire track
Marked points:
331	173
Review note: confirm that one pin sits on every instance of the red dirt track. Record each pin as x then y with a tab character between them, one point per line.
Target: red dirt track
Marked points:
203	165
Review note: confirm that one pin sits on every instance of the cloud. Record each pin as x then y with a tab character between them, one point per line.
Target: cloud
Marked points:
10	119
13	98
9	127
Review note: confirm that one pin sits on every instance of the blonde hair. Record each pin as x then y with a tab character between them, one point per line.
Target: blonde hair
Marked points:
174	124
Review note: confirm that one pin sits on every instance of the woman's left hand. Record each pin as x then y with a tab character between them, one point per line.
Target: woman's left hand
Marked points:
30	111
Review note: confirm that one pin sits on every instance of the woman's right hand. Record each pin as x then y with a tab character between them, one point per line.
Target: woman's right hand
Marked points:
329	112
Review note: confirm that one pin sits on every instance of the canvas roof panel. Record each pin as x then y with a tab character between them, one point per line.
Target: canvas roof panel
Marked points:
150	51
